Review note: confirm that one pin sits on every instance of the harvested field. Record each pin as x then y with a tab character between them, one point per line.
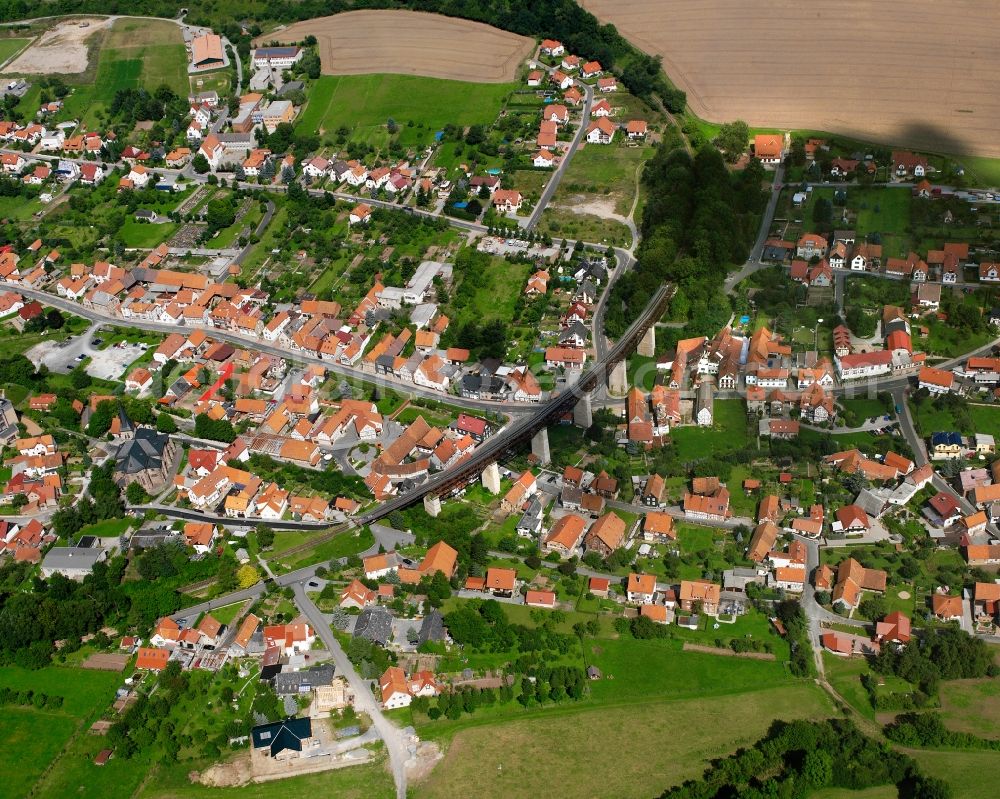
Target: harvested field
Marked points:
106	662
61	50
844	66
411	43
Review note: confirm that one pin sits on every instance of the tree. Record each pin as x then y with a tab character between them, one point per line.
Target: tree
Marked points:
823	214
165	423
200	164
219	214
80	379
54	319
265	536
136	494
213	429
817	768
873	607
732	139
247	576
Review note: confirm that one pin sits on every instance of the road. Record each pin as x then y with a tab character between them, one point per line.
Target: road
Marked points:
753	262
253	343
364	701
816	614
553	184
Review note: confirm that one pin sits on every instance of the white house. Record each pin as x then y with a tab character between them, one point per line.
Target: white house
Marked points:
139	176
544	160
601	131
395	689
316	167
53	140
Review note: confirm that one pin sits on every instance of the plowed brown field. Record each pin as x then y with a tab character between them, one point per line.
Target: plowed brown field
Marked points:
914	72
411	43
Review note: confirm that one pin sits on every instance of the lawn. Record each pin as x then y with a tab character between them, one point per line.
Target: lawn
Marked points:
864	407
19	208
135	53
880	210
496	296
420	106
878	792
981	171
106	528
986	419
339	546
8	47
545	748
227	613
145	235
729	433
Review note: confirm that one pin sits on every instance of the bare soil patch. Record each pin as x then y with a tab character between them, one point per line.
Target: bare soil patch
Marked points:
61	50
714	650
411	43
106	662
847	66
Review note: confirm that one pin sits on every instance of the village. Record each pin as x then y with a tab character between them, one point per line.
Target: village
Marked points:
337	429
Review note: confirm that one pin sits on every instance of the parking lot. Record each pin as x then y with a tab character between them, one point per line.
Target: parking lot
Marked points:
110	364
65	356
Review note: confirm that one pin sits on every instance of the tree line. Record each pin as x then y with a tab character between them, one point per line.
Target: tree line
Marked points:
796	759
700	220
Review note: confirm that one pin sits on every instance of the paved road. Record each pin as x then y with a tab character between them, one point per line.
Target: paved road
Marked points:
553	184
753	262
815	613
364	701
259	345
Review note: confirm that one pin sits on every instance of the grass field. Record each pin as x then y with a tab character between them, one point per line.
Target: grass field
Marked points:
496	298
972	706
135	53
844	674
18	207
879	792
370	781
364	104
227	613
34	737
966	772
527	757
727	434
638	670
607	171
880	210
561	223
8	47
144	235
107	528
930	418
